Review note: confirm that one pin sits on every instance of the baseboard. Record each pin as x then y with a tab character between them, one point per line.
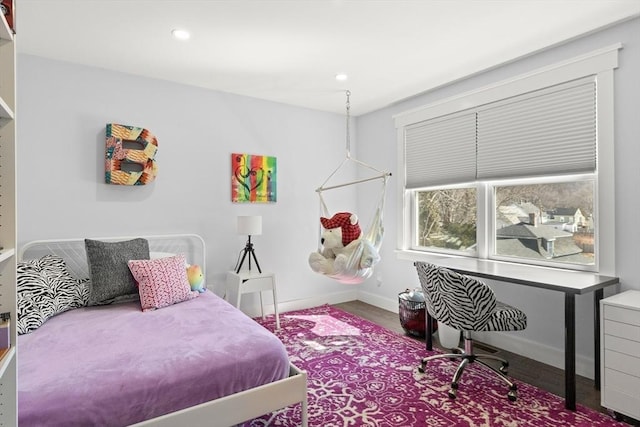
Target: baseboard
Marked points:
380	302
534	350
300	304
531	349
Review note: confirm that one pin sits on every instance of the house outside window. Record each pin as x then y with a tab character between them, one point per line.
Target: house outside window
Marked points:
533	223
536	154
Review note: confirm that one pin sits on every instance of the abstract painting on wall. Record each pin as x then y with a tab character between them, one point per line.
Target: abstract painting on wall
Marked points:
253	178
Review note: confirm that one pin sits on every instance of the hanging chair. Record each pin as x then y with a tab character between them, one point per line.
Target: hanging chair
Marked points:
360	263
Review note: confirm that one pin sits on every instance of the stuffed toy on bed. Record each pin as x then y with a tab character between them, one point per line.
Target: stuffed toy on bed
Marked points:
342	237
196	278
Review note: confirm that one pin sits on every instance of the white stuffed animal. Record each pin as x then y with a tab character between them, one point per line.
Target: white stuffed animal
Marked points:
341	237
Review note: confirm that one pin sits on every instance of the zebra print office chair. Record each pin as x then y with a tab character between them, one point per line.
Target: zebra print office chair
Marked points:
467	304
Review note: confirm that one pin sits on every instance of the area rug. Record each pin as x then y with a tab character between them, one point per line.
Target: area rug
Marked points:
360	374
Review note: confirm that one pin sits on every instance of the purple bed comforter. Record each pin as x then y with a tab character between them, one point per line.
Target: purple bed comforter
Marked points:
115	365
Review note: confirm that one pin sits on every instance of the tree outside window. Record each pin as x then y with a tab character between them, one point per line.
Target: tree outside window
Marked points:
447	219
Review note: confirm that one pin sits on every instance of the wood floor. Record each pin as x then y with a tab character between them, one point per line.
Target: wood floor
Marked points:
526	370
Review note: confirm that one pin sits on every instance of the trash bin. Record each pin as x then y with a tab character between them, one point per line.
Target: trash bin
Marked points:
412	311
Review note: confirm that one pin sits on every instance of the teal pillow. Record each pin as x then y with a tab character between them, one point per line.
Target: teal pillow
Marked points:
111	279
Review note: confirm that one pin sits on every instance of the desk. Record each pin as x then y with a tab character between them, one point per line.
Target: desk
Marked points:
569	282
252	281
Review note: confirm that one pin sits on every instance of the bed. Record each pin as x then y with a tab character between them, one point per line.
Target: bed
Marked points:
197	362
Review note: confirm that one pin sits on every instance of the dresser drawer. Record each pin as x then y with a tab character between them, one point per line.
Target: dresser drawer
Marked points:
623	383
622	314
621	345
622	362
620	402
622	330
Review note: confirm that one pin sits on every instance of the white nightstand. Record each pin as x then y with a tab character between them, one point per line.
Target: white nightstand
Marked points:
252	281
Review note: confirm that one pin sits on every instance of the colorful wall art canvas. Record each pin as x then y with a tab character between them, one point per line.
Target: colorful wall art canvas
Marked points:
253	178
130	155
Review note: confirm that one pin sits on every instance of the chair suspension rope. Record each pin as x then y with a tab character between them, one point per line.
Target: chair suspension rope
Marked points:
383	174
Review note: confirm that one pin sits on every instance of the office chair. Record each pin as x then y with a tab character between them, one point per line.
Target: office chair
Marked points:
467	304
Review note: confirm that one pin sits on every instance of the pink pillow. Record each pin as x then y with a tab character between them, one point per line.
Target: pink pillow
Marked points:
161	282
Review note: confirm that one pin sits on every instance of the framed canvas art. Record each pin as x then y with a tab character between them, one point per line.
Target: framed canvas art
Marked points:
253	178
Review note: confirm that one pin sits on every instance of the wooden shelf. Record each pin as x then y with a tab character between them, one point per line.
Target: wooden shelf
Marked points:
6	33
6	254
6	113
6	36
6	356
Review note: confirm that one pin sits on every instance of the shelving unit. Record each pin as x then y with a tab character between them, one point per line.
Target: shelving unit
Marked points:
8	383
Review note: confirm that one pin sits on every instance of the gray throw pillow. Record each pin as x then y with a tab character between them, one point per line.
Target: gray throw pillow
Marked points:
111	279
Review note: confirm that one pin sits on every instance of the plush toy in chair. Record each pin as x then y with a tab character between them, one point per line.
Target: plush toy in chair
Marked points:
341	237
196	278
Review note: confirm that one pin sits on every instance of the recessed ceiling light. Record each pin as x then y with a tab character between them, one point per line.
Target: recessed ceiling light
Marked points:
341	77
180	34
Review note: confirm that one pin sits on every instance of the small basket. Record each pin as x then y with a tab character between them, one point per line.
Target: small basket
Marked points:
412	315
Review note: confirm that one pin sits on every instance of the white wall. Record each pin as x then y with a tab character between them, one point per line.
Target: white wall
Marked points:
544	337
63	110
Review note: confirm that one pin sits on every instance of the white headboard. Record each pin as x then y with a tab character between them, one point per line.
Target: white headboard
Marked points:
74	254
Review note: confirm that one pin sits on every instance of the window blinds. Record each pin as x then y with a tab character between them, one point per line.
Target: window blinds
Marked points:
441	151
545	132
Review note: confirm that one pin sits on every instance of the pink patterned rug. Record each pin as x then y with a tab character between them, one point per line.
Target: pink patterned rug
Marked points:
360	374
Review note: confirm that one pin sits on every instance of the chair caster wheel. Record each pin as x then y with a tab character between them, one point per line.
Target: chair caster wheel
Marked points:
453	392
421	369
513	393
504	368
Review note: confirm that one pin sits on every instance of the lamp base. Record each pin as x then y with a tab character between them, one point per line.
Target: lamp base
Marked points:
248	250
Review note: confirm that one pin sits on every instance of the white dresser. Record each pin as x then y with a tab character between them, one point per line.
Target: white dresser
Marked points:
620	353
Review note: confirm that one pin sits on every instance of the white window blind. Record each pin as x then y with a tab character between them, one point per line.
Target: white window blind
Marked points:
441	151
549	131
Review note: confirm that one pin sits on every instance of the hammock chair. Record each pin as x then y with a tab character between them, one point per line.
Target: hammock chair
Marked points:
371	239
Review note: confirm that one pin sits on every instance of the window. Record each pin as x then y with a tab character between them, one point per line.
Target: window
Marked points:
550	223
447	219
520	171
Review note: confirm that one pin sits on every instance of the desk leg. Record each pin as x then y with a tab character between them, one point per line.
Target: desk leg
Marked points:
428	330
570	351
597	296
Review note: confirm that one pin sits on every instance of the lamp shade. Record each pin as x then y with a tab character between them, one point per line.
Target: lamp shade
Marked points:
250	225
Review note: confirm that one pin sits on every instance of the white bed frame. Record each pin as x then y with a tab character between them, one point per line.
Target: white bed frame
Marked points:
225	411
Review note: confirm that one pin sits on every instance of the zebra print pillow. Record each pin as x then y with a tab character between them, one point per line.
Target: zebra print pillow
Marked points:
46	288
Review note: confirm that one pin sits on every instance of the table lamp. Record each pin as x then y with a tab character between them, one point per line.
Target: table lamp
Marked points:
251	226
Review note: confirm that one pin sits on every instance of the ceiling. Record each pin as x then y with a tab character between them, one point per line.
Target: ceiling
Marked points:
290	51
